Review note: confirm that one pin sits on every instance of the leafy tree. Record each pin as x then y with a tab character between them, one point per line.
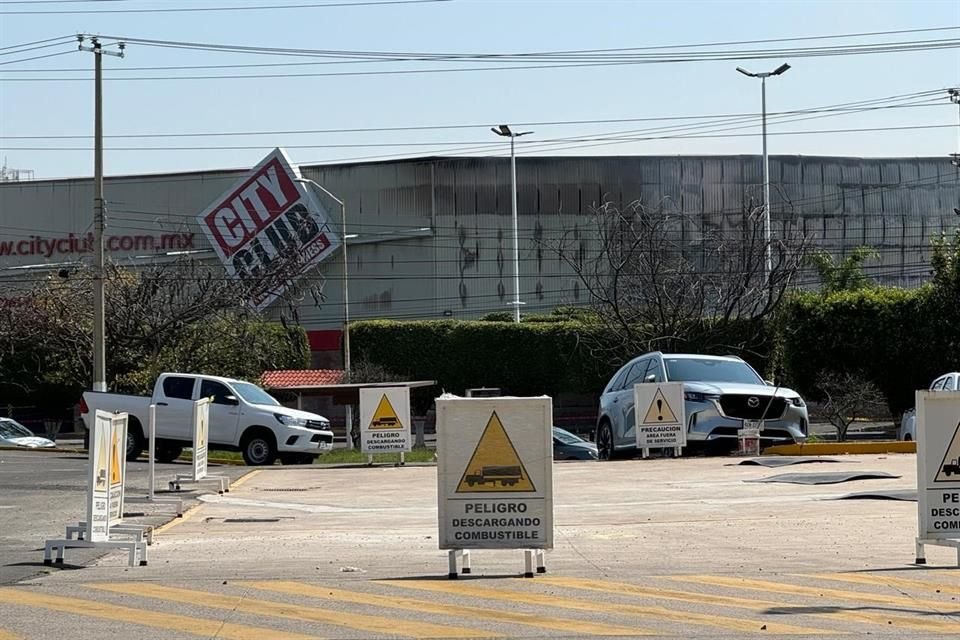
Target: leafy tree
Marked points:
847	275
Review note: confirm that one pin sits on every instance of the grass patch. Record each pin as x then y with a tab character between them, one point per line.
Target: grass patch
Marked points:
347	456
337	456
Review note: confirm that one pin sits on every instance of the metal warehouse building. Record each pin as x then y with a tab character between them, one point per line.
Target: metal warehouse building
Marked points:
430	237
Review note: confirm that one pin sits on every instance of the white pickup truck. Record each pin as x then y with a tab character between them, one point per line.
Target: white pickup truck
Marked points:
243	417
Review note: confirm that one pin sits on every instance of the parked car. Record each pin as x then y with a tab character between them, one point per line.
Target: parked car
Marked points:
243	417
720	392
908	423
567	446
14	434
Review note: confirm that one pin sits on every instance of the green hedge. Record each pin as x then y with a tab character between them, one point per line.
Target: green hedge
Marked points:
528	358
899	339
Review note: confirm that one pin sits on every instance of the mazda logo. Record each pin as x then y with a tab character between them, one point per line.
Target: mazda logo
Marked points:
753	402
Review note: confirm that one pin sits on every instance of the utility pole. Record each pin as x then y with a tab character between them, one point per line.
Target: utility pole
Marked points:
99	213
346	296
768	261
504	131
955	99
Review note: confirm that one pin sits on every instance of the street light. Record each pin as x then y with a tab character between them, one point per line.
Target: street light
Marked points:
504	131
346	295
766	160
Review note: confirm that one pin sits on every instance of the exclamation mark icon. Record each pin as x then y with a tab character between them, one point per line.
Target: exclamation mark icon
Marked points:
659	410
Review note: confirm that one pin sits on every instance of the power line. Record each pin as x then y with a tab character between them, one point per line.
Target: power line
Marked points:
547	64
49	55
312	5
22	45
414	128
426	144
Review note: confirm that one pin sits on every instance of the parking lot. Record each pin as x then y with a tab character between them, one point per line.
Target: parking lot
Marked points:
673	548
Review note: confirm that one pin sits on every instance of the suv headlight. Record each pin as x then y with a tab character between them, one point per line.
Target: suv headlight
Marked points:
798	402
696	396
290	421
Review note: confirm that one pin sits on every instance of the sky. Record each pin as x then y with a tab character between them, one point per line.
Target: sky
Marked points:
53	96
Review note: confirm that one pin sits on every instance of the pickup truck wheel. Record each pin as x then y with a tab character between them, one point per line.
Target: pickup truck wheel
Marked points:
135	442
259	448
167	453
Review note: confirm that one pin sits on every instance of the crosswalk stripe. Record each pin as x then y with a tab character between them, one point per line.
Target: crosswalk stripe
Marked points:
376	624
886	581
410	604
821	592
552	600
623	588
167	621
833	613
750	603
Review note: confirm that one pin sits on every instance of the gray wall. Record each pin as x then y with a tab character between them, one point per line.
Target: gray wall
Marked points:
433	234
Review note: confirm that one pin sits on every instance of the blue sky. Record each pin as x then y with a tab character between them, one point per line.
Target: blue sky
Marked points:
56	108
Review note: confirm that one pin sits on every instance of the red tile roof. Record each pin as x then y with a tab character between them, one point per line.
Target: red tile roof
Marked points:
287	378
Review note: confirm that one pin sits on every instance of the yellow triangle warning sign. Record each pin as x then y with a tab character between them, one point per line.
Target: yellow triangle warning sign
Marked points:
385	416
949	470
660	411
102	459
495	465
115	460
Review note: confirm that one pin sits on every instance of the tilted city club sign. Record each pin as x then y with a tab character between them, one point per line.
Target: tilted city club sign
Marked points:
268	217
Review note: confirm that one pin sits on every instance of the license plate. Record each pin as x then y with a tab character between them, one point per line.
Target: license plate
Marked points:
752	426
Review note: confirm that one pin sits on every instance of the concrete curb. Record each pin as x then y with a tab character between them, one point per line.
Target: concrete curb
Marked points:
841	448
42	449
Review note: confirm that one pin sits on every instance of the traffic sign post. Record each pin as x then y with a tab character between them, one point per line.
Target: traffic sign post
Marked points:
385	421
495	477
201	439
661	417
938	471
151	497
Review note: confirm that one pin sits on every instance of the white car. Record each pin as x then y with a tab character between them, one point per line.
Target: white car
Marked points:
14	434
908	424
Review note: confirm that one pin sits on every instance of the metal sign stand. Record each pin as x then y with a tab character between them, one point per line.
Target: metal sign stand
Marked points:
495	457
151	498
99	526
201	422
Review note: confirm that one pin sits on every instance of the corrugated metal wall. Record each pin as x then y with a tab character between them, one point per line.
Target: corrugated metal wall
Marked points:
894	205
432	235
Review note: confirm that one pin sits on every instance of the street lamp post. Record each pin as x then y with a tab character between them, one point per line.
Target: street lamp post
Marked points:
346	295
768	265
504	131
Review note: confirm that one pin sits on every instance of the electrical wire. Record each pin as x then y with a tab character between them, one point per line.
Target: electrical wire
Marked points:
547	60
312	5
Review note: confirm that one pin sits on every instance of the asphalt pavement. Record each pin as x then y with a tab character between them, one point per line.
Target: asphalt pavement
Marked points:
658	548
42	492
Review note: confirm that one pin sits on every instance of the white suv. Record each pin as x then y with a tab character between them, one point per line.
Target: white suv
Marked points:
720	392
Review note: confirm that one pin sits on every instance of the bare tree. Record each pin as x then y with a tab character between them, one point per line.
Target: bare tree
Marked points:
149	309
847	398
656	277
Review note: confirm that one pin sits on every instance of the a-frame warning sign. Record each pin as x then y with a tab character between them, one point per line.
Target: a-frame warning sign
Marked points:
385	416
495	464
102	460
949	470
115	469
659	411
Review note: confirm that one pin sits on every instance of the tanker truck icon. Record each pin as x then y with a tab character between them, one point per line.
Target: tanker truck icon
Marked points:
506	475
